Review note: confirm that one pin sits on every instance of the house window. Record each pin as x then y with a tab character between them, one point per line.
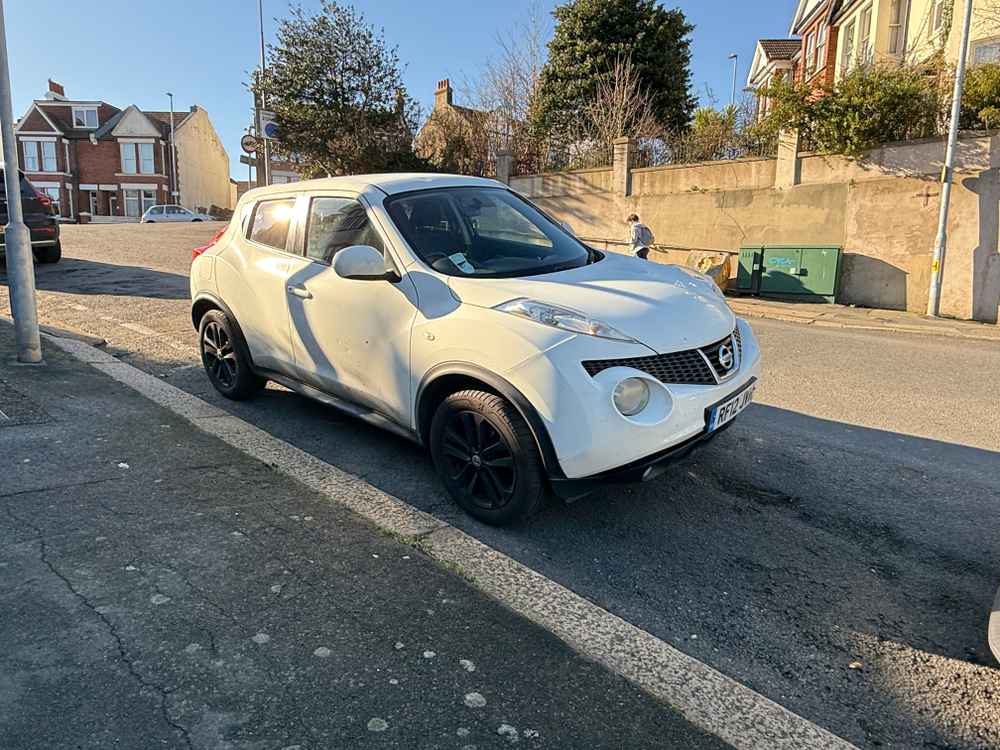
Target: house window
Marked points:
137	158
865	36
49	157
30	149
899	11
986	52
937	16
146	165
821	48
810	54
85	117
53	195
138	201
847	53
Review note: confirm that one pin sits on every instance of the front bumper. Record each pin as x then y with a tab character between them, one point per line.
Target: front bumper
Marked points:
592	441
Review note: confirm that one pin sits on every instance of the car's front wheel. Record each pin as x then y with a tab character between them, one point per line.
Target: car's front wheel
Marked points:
225	361
486	456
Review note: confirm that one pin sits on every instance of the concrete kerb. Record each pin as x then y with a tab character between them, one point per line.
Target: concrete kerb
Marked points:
704	696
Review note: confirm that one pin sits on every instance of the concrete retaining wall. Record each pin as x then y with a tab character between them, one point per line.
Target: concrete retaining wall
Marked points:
882	210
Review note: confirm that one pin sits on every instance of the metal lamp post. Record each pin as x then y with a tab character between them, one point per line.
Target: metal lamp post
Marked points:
17	240
265	154
175	193
736	67
948	173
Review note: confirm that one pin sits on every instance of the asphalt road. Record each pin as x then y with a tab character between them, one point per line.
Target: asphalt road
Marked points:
837	550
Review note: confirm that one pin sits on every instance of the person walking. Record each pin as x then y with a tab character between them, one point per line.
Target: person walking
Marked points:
640	237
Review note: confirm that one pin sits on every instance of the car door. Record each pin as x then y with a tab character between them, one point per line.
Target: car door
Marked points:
351	337
253	279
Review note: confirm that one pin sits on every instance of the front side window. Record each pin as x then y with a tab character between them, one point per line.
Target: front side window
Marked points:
486	232
85	117
271	221
30	149
336	223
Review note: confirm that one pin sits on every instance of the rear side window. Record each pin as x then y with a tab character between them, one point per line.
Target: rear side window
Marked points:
271	221
336	223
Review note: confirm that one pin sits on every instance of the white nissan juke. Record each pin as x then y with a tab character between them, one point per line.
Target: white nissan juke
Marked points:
454	312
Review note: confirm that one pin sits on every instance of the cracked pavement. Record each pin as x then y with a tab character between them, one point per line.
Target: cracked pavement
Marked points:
161	589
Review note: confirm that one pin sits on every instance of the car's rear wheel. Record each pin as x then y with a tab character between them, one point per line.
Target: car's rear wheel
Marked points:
224	358
486	456
50	254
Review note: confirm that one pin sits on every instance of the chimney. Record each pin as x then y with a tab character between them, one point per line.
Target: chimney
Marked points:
56	91
442	97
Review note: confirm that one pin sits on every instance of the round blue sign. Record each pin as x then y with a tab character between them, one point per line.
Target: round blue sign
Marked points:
271	130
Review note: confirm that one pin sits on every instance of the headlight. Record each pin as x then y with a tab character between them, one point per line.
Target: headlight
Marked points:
561	317
631	396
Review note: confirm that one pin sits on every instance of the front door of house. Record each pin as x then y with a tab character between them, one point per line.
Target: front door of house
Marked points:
92	198
112	204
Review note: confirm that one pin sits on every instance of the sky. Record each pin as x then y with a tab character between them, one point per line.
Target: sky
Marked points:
128	53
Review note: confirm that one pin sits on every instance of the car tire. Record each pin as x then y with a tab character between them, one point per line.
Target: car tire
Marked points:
225	358
486	456
51	254
196	221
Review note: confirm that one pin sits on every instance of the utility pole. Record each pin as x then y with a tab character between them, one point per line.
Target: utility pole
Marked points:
266	155
17	240
947	174
736	67
173	152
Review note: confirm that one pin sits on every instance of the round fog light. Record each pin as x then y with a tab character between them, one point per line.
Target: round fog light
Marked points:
631	396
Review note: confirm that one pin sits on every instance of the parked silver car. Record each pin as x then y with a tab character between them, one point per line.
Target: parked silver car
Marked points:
172	213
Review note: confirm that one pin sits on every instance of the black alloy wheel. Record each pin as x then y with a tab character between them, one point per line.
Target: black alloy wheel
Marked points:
479	460
487	457
224	359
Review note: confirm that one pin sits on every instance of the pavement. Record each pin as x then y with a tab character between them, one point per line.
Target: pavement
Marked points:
836	551
162	589
822	315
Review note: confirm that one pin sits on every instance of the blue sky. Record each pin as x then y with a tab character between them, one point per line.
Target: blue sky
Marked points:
126	53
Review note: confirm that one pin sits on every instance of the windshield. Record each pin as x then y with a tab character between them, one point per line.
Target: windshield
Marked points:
487	232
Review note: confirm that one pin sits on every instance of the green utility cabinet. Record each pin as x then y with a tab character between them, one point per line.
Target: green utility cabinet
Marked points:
796	271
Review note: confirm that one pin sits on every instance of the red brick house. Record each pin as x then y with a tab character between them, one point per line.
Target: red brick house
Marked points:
813	24
98	161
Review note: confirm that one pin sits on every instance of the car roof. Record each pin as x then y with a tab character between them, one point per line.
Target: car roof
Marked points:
390	184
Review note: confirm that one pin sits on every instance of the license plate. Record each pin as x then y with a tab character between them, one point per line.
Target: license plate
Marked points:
725	412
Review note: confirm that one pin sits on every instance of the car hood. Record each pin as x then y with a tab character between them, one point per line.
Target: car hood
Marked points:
667	308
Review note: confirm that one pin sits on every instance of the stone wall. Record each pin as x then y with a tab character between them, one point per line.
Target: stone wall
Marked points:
881	210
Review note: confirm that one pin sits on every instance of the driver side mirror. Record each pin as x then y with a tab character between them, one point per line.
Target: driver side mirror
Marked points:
362	263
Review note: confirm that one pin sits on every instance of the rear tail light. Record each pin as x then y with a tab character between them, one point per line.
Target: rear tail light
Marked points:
199	250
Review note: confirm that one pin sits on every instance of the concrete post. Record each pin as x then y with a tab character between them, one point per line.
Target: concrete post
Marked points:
17	240
787	173
624	150
505	166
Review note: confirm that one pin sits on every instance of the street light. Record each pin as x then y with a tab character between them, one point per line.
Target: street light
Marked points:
175	193
17	240
736	66
947	174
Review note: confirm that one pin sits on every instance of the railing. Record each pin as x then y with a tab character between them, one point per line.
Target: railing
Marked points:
607	244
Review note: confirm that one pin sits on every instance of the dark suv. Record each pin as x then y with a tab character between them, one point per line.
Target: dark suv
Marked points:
38	215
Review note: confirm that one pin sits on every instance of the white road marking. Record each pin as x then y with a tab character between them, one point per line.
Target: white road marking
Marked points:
3	416
707	698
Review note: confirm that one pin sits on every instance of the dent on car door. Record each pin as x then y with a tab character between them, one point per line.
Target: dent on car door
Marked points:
351	337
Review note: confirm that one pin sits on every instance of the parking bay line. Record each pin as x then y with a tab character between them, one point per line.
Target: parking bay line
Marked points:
707	698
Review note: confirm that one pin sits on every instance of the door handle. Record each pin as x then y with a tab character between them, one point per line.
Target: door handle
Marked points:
299	291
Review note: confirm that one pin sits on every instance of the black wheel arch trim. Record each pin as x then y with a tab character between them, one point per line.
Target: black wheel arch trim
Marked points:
506	389
217	303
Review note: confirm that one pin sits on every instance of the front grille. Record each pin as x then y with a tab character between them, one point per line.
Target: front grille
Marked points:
689	367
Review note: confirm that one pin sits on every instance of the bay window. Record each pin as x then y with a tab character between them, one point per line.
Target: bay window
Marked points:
138	201
137	158
30	149
48	156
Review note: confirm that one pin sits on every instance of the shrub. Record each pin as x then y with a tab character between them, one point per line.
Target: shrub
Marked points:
870	106
981	98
